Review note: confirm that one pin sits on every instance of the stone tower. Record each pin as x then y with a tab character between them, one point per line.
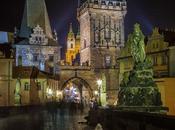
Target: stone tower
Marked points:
36	45
101	30
102	36
35	13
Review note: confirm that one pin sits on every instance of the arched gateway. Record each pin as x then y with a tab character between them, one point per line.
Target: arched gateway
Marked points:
78	90
80	76
86	77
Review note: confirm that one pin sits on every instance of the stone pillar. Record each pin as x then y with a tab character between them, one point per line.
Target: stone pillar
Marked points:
112	85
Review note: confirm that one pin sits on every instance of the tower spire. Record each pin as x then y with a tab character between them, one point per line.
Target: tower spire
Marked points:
70	28
71	33
35	13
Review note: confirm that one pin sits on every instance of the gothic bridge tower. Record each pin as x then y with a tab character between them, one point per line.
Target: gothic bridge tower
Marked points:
102	35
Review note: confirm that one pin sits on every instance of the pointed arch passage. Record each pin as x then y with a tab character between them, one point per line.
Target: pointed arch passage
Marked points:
84	82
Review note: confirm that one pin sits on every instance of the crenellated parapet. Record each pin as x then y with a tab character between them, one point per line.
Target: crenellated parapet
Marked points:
118	5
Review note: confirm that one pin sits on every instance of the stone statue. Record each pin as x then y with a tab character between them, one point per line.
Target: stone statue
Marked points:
138	87
17	92
137	46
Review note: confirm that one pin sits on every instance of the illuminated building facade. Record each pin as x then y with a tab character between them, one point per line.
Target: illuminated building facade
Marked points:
157	49
102	31
73	47
36	44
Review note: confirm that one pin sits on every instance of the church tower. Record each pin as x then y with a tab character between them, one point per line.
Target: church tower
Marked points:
71	39
102	31
73	46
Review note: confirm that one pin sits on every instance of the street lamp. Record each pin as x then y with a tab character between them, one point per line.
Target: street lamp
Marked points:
49	92
99	82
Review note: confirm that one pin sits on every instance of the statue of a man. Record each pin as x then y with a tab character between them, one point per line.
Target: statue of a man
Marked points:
137	45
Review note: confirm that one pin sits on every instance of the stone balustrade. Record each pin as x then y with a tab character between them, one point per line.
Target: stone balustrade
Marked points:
128	120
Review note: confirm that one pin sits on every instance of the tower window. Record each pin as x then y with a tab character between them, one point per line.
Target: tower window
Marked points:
164	60
19	60
108	61
72	46
51	70
84	43
51	58
154	60
35	57
40	39
72	58
26	86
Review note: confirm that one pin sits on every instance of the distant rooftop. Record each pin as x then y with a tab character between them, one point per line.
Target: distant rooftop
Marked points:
5	37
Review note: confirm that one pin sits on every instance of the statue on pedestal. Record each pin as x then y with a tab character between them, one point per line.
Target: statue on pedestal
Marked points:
138	89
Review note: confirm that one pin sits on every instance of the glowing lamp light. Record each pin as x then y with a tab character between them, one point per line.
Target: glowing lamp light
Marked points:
58	93
96	92
99	82
75	93
50	92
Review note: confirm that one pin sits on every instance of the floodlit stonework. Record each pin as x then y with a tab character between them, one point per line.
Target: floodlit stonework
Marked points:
102	36
101	30
35	44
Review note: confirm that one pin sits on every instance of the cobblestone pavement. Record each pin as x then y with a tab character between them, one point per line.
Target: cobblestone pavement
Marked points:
58	120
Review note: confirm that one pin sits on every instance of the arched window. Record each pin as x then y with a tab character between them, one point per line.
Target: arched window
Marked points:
108	61
72	58
19	60
84	43
26	86
71	45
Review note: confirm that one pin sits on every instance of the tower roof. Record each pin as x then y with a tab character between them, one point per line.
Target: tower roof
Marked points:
35	13
71	33
70	28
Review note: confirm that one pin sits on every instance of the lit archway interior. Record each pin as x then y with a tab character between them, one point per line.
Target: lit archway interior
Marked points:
77	90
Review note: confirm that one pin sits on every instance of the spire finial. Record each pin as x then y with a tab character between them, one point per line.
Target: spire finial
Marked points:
70	28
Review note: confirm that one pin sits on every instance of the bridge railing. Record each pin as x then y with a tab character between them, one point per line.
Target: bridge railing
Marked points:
68	67
125	120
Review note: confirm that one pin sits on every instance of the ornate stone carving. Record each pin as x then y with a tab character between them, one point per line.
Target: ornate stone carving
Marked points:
138	87
38	36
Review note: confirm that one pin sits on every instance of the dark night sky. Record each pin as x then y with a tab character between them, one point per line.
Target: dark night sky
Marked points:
148	13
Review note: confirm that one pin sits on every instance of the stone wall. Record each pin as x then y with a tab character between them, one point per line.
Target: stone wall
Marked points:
125	120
